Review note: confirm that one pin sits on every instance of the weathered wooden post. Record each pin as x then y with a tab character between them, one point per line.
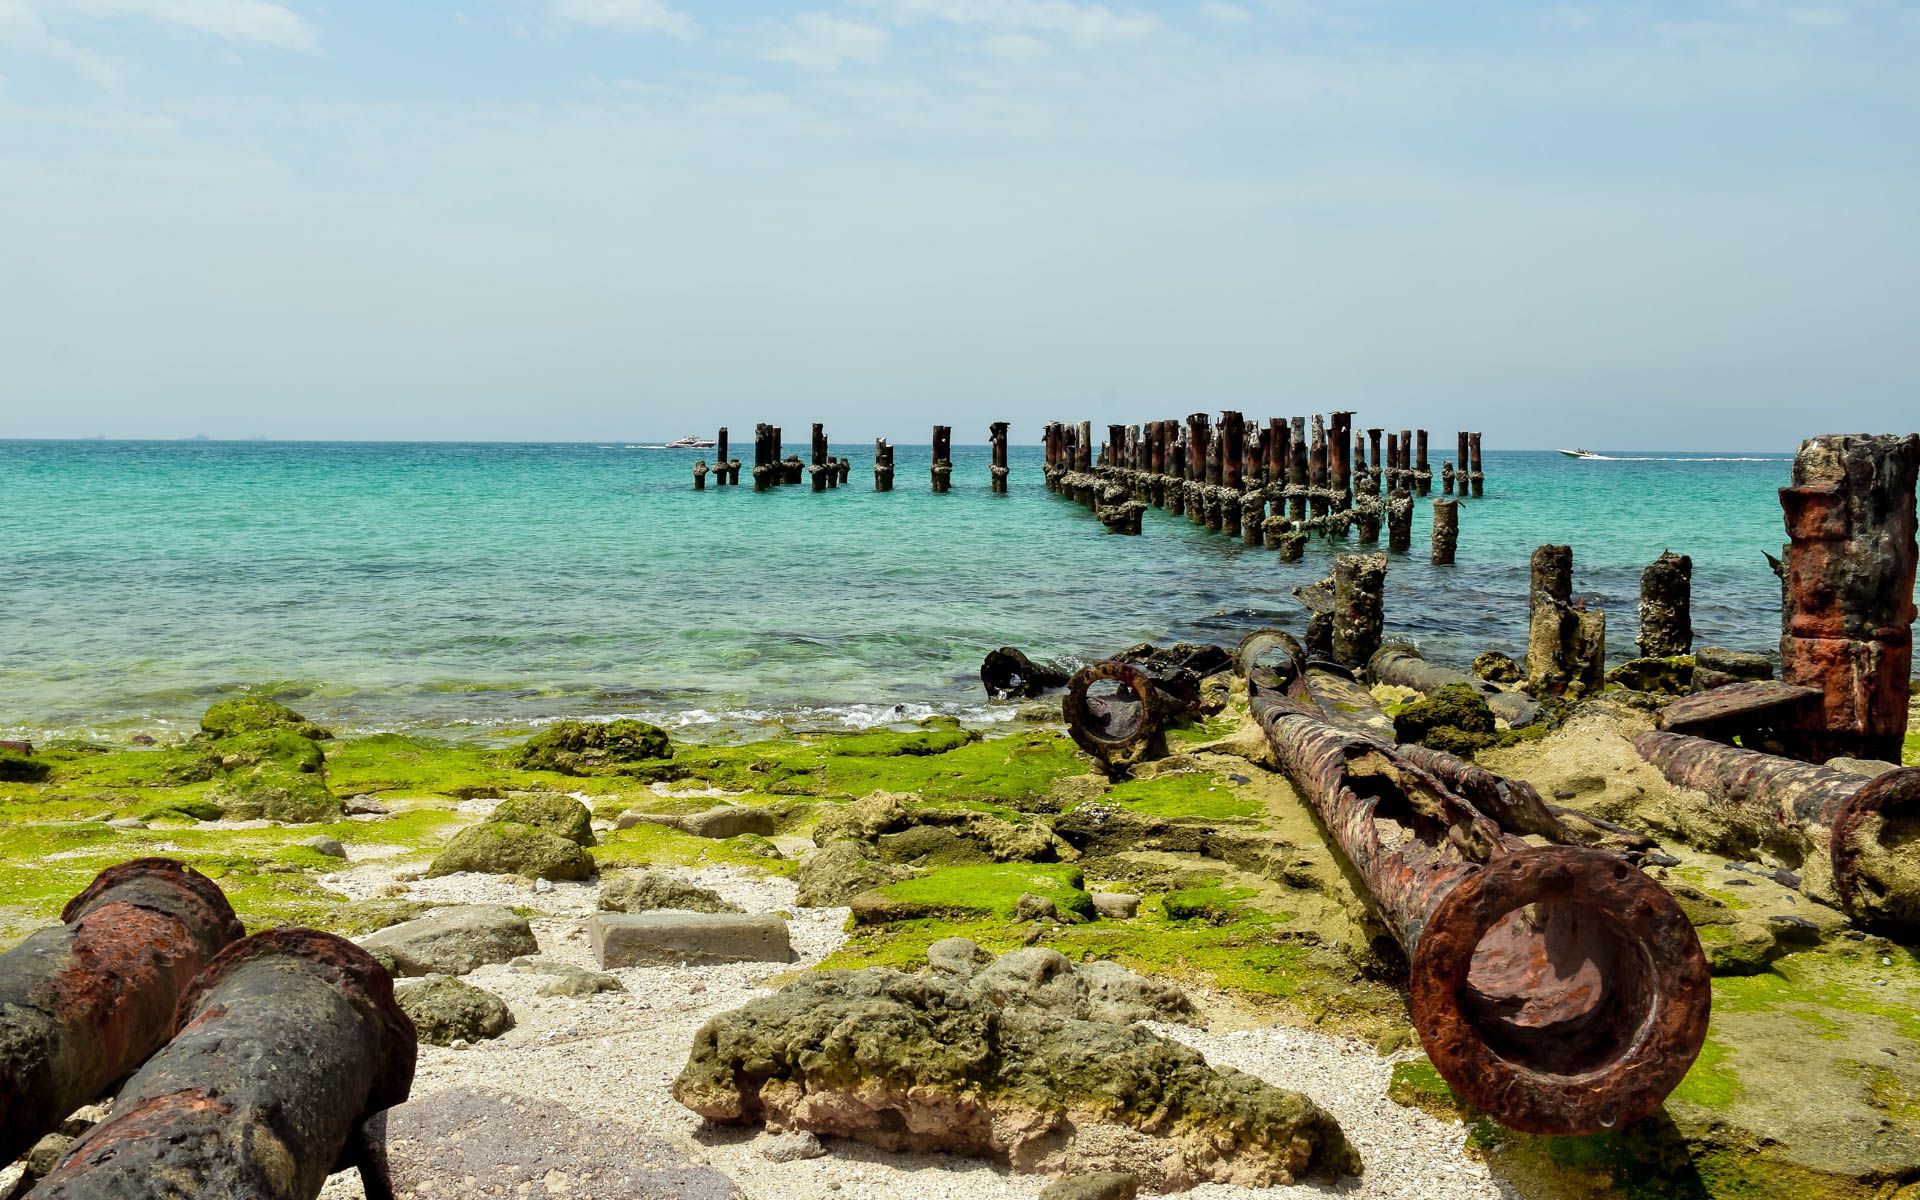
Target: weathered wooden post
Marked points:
1317	471
943	457
883	464
1422	476
1566	643
1847	617
1297	472
817	469
1339	469
1666	606
1479	477
1359	607
700	475
997	438
1446	530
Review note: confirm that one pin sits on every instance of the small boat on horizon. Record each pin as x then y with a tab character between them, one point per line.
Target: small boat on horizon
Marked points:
1582	454
689	443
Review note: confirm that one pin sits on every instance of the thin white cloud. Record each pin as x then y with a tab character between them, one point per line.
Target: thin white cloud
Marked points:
22	30
255	22
1226	14
1015	47
625	16
818	42
1079	22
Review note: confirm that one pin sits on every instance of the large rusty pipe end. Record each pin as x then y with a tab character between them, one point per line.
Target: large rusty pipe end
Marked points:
1876	851
1561	990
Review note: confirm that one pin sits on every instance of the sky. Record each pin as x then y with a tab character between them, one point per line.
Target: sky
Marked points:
1688	225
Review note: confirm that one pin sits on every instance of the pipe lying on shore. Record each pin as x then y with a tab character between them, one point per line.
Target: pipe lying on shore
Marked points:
86	1002
1401	665
1558	989
1118	711
1008	674
1854	841
284	1045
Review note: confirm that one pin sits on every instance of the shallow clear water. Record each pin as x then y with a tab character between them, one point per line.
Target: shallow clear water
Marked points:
477	586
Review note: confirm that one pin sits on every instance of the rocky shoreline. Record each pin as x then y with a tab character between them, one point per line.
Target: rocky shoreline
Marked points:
1204	875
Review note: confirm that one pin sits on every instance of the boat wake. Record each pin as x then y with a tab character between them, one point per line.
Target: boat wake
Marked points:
1691	458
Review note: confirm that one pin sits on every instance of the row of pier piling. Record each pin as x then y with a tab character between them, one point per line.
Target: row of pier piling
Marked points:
771	469
1271	487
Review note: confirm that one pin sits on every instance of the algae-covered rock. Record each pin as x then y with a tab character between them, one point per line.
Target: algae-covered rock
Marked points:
1454	718
551	811
281	747
836	873
903	832
644	891
1658	676
593	747
1495	667
754	846
508	848
445	1011
916	1063
253	714
16	767
275	793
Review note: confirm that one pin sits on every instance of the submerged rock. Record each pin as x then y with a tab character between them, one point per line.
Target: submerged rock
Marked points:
453	941
445	1011
593	747
916	1063
644	891
508	848
551	811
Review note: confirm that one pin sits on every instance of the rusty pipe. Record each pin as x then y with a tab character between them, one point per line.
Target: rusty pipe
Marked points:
1558	989
1857	840
1007	674
1118	711
283	1046
86	1002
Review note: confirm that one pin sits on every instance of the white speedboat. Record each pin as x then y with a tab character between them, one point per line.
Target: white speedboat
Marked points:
1582	454
689	443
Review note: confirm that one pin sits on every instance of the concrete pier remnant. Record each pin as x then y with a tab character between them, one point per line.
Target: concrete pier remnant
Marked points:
1848	612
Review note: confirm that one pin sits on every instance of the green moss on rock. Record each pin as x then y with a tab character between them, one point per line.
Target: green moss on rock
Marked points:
16	767
594	747
281	747
506	848
253	714
551	811
992	890
1454	718
275	793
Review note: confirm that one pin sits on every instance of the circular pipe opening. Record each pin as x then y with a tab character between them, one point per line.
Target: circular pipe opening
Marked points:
1109	704
1561	990
1875	849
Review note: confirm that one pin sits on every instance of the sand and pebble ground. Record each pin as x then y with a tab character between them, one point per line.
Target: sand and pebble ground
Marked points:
608	1060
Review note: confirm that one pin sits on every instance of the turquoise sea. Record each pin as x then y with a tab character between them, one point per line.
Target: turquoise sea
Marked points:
469	588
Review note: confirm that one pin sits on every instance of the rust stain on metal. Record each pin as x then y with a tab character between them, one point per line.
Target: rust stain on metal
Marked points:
1559	989
85	1003
284	1044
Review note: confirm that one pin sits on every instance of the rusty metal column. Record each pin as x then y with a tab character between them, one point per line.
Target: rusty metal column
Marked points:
1847	621
1297	472
83	1003
283	1046
1479	476
997	438
1422	476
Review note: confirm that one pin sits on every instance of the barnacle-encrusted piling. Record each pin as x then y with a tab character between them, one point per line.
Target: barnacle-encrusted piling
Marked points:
1446	530
942	458
1558	989
1359	607
1566	642
1666	606
85	1002
283	1046
1848	612
1855	841
997	439
882	465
